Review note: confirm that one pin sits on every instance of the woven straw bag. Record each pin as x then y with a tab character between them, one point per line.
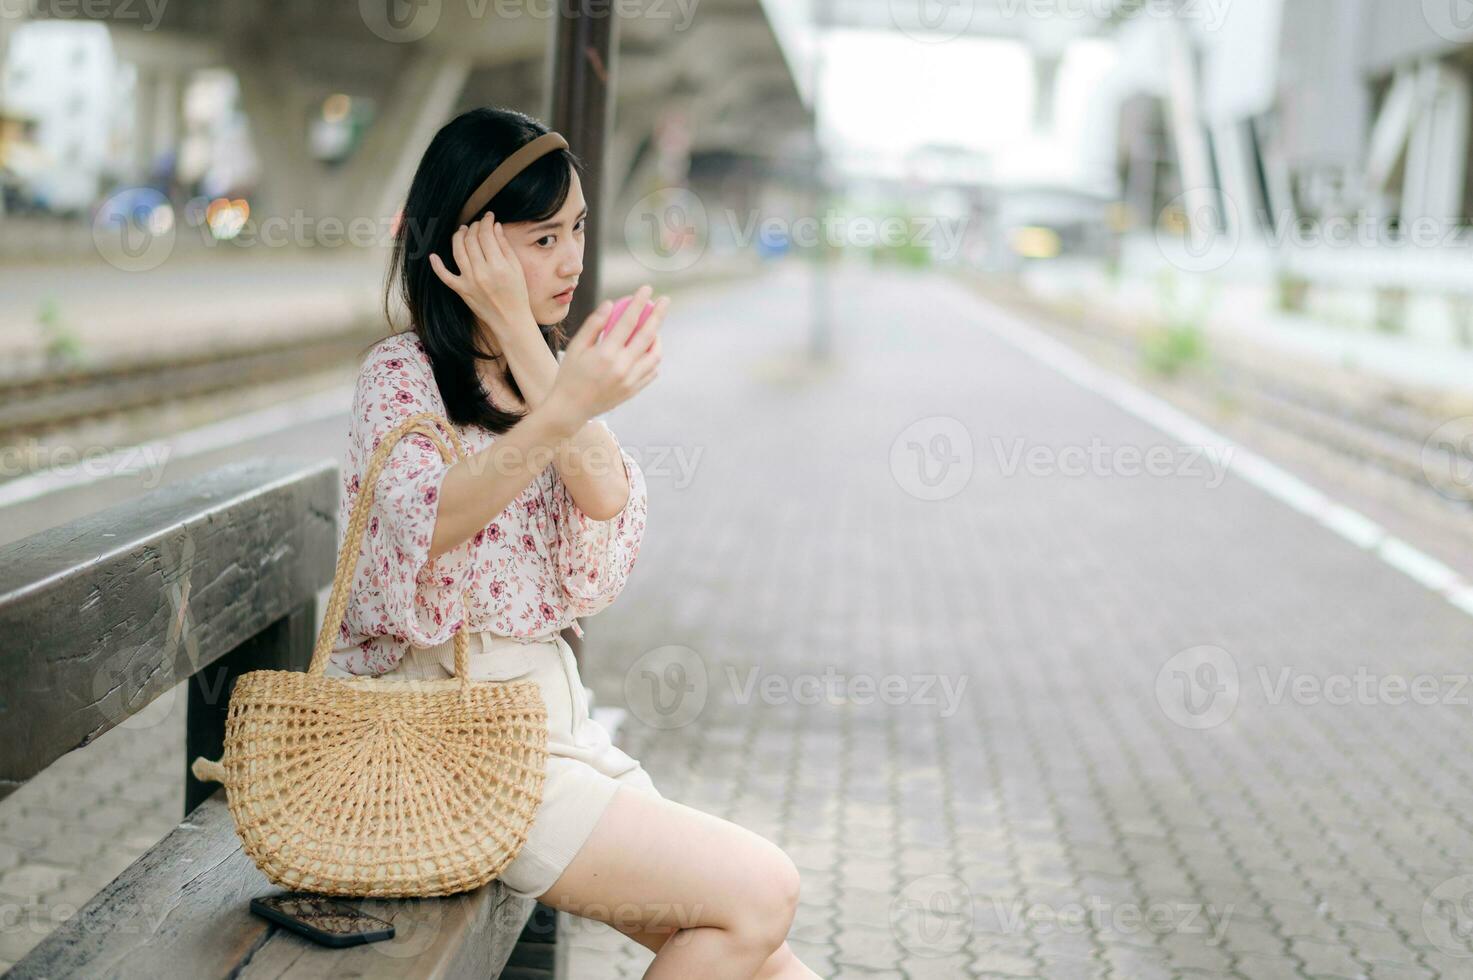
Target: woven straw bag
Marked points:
381	787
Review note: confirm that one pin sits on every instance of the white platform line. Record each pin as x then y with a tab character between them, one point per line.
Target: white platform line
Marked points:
1278	483
182	445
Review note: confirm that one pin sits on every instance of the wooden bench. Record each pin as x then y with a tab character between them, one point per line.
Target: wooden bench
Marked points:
200	582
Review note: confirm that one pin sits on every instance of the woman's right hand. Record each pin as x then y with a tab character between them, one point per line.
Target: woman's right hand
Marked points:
595	375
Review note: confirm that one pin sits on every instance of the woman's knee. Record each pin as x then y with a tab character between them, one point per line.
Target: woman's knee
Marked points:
770	900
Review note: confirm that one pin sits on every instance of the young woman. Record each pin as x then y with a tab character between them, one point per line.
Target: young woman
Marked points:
539	524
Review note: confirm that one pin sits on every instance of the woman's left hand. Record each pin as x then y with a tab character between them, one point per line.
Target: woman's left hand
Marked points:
491	280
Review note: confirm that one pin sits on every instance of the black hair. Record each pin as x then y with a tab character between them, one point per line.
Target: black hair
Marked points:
458	159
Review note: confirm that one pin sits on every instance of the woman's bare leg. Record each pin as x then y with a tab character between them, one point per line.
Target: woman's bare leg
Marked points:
783	964
721	896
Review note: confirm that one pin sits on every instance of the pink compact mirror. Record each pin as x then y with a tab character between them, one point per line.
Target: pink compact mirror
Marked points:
619	308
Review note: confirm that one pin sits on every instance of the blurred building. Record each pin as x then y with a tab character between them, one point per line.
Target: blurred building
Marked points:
1316	151
64	78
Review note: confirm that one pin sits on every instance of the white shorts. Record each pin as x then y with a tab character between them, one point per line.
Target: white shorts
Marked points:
584	767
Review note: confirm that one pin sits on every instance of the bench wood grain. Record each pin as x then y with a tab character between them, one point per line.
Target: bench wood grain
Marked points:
183	910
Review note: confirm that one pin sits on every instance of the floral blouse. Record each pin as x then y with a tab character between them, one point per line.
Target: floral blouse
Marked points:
528	573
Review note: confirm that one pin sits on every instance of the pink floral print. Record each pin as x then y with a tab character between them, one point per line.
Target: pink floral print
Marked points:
529	573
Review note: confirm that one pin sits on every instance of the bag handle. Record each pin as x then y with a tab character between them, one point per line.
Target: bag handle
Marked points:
427	424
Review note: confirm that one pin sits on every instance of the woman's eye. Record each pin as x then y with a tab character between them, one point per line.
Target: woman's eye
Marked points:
576	227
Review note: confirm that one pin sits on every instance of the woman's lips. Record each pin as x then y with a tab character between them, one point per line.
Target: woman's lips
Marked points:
565	297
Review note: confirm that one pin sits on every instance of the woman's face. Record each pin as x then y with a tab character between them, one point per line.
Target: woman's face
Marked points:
551	254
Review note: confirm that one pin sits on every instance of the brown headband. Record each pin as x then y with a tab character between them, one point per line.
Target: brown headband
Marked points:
509	168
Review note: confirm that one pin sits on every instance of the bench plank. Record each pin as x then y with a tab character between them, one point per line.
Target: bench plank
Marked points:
183	910
102	615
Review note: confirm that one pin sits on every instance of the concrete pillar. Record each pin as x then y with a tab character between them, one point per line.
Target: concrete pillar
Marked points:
1437	153
158	106
7	28
276	97
276	104
1193	156
582	68
421	99
144	107
1045	88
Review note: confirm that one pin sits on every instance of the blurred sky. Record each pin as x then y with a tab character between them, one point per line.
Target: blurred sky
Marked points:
884	93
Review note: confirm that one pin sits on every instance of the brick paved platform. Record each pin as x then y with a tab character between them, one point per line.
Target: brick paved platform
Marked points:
1014	711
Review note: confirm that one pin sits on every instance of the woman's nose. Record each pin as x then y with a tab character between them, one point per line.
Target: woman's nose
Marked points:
570	261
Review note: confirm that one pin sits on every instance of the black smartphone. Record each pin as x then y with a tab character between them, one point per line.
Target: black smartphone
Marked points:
322	919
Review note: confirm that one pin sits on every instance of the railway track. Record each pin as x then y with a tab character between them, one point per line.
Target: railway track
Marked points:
65	399
1375	425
